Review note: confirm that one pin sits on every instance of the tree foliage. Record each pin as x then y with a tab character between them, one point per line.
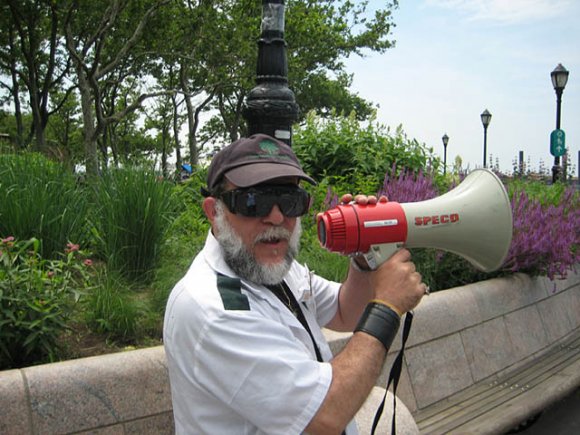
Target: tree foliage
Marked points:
32	53
78	72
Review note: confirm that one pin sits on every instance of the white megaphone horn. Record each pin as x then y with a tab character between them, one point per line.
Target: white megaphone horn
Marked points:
474	221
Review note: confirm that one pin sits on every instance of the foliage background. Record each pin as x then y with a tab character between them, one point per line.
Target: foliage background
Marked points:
101	83
130	211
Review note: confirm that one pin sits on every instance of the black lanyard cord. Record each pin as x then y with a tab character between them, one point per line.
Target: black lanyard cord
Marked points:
394	376
283	292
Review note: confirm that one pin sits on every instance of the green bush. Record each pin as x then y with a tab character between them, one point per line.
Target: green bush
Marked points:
355	156
37	297
538	190
133	210
41	199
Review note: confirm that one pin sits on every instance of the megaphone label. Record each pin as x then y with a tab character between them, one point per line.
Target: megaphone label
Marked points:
436	220
382	223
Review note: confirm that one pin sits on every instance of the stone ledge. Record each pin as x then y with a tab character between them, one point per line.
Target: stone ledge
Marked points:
464	334
86	394
487	328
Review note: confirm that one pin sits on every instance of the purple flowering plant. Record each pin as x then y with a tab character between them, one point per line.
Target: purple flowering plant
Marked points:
408	186
546	235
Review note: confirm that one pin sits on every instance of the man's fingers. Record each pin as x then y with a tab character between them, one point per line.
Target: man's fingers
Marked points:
402	255
365	199
346	198
362	199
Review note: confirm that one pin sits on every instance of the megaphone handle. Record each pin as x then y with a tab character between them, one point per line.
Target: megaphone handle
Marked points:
380	253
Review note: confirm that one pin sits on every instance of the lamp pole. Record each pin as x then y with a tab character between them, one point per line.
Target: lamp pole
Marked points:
445	140
485	120
270	106
559	79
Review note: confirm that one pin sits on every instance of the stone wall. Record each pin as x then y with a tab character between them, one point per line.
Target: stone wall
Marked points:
463	335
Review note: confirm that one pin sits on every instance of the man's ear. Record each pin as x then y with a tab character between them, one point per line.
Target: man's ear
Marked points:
208	206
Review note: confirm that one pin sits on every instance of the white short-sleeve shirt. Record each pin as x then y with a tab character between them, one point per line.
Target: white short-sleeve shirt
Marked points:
239	361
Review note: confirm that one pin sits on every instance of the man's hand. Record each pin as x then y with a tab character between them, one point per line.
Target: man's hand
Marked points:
397	282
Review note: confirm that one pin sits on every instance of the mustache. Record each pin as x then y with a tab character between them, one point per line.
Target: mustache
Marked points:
273	233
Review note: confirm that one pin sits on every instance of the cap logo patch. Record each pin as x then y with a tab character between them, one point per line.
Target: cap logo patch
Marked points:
269	147
268	150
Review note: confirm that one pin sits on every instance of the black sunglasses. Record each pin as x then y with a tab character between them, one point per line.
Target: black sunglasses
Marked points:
293	201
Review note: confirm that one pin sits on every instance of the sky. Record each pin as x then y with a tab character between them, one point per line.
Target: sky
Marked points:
455	58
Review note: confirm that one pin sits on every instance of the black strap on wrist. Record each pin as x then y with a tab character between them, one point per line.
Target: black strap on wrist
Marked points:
381	322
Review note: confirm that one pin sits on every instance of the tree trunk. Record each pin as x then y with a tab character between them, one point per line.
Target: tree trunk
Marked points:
164	141
178	161
191	139
89	130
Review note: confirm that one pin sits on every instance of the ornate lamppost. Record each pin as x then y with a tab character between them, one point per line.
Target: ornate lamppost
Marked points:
445	140
559	80
485	120
271	106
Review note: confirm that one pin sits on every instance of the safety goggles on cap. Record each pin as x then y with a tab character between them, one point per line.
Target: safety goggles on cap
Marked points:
293	201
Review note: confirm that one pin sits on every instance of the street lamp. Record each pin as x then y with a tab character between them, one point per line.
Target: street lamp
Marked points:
445	140
559	80
271	105
485	120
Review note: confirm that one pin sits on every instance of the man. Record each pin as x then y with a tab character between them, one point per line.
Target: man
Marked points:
242	333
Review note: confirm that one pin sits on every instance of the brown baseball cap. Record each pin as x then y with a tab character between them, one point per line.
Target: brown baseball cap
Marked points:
254	160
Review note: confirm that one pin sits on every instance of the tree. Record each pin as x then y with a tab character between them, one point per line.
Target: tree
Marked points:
165	116
34	58
320	35
9	58
103	40
201	53
161	119
199	56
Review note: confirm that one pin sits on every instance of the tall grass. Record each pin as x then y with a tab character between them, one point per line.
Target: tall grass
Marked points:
41	199
184	238
133	209
111	309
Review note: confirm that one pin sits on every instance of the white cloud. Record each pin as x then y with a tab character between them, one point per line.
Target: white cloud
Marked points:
506	11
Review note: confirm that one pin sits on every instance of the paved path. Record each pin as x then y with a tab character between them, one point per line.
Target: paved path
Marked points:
563	418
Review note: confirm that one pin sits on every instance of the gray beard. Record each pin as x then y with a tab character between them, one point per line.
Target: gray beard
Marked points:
241	260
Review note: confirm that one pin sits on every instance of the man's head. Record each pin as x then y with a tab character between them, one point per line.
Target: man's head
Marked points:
254	203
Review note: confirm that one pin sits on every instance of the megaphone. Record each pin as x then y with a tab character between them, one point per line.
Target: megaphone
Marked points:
474	221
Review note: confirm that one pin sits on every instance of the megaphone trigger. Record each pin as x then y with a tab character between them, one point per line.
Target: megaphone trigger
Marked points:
474	221
378	254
